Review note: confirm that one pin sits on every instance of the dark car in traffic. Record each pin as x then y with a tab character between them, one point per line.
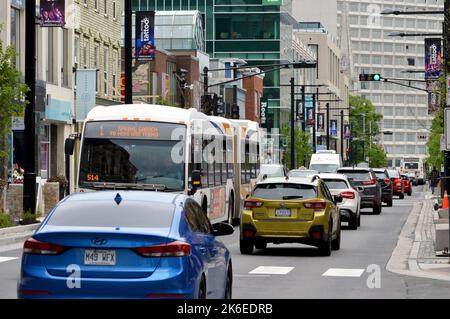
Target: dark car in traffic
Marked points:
386	185
365	180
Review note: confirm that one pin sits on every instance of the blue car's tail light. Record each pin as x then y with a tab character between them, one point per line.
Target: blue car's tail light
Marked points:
36	247
172	249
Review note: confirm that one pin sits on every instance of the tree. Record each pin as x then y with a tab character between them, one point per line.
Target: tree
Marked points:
12	102
303	150
364	121
435	155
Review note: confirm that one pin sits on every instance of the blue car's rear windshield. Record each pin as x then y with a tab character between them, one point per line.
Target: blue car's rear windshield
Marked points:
104	214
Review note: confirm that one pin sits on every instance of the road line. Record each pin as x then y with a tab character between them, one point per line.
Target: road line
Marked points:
5	259
269	270
343	272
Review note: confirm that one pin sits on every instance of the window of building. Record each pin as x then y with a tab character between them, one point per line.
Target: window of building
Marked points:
365	33
96	5
400	149
247	26
64	58
399	99
387	138
410	137
50	56
376	59
376	47
105	70
97	65
399	137
85	52
114	71
387	124
15	33
44	145
114	8
398	162
388	47
411	61
388	110
105	7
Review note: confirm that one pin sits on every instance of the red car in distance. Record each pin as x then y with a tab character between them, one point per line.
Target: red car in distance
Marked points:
397	183
407	185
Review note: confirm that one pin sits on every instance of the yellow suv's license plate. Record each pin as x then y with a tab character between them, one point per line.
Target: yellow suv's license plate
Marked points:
99	257
283	212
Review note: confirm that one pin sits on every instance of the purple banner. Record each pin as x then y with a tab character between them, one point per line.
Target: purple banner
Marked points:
433	57
145	35
52	13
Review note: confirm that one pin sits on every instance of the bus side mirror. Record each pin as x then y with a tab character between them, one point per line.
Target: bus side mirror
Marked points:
69	146
196	179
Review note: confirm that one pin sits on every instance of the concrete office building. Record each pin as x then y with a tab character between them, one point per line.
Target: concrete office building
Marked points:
374	51
328	73
247	30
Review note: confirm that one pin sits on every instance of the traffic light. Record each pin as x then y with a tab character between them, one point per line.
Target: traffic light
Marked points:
370	77
235	112
206	104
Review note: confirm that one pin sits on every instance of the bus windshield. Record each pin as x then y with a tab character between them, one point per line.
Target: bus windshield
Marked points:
132	158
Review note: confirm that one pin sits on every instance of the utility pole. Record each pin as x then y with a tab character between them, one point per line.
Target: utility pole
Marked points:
342	132
328	125
128	54
364	137
304	108
293	123
315	97
445	33
29	183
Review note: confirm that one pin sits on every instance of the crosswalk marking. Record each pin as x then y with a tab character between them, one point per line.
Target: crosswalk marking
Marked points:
343	272
5	259
269	270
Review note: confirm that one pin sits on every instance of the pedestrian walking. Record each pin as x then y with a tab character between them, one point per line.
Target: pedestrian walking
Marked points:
434	179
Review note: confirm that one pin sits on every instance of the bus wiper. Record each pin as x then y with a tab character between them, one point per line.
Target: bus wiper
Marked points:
292	197
152	187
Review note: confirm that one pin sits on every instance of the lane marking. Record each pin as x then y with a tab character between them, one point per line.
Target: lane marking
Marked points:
270	270
343	272
250	276
5	259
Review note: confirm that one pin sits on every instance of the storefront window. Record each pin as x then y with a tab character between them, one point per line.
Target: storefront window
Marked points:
44	155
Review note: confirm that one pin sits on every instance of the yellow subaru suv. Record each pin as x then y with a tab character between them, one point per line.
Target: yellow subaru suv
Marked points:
291	210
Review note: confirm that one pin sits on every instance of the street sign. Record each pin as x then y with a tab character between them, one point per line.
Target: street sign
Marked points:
447	128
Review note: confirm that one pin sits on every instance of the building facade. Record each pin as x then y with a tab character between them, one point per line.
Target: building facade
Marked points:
247	30
405	110
97	44
334	89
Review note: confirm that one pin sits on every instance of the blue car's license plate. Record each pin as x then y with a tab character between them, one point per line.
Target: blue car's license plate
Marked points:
99	257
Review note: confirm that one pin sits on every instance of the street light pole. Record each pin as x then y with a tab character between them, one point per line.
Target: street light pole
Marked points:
29	182
128	54
328	125
314	117
293	123
342	132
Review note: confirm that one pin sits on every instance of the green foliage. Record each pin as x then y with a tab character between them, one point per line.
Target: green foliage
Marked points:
303	150
163	101
28	217
62	180
435	155
365	130
5	221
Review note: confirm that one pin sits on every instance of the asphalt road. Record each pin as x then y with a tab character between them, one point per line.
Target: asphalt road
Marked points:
302	273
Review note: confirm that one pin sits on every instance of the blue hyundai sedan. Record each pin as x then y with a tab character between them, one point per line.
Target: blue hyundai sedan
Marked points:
127	244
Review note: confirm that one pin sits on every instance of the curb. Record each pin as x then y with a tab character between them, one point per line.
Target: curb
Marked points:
17	234
403	260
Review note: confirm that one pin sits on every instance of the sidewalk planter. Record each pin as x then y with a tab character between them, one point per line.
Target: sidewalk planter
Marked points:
14	201
51	196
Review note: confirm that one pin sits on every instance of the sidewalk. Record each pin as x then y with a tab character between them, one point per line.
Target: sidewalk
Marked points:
415	253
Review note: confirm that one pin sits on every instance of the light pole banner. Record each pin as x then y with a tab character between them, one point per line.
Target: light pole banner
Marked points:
85	97
347	131
52	13
263	112
433	57
320	122
145	36
333	128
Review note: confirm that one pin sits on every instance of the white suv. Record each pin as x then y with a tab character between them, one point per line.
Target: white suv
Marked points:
349	208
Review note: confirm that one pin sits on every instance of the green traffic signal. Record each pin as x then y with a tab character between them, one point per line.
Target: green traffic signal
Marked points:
370	77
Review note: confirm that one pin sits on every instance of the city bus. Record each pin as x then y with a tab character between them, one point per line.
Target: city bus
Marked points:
416	166
251	153
161	148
